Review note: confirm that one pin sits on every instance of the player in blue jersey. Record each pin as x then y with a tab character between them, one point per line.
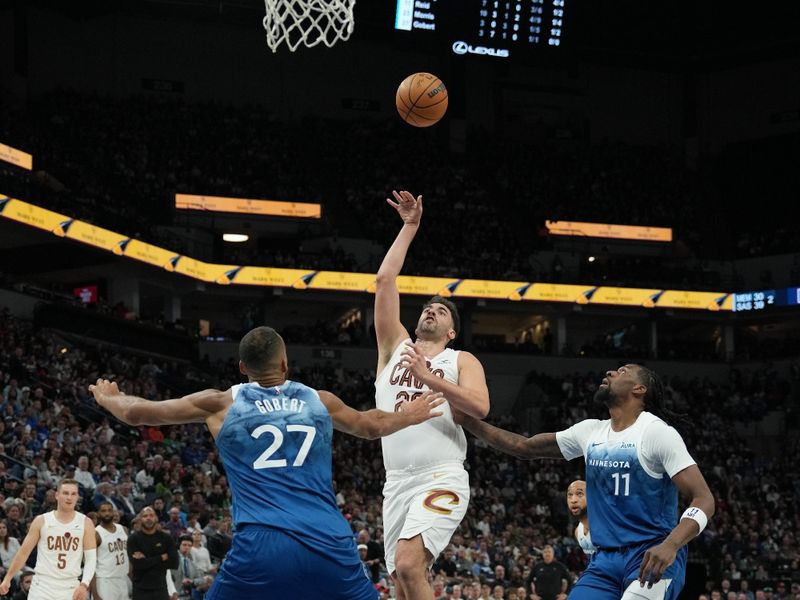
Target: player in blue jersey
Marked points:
274	438
635	466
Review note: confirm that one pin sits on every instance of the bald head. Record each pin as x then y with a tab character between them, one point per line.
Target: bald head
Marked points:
148	519
578	484
576	498
261	351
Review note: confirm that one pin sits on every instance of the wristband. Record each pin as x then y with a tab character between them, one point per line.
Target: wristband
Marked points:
696	515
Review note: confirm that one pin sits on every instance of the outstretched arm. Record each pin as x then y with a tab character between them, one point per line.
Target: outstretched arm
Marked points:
22	554
541	445
388	328
194	408
375	423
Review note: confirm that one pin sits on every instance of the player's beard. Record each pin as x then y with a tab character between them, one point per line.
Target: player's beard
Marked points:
606	396
107	520
428	328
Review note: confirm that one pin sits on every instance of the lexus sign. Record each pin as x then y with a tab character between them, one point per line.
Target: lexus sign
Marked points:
464	48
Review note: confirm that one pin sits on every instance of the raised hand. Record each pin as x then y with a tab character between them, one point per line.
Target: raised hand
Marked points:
407	206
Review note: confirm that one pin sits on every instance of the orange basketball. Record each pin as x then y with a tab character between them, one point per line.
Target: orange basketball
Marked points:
421	99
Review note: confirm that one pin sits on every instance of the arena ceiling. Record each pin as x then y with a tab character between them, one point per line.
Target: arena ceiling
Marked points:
713	34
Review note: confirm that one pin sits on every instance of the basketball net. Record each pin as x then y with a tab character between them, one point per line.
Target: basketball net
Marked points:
308	22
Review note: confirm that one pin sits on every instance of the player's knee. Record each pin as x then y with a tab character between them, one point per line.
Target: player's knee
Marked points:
409	566
408	571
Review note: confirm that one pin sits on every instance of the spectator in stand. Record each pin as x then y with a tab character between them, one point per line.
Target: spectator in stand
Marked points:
8	547
190	581
551	578
446	564
83	475
200	554
16	525
25	580
174	526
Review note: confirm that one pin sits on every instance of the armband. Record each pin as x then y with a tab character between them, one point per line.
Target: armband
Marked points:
89	565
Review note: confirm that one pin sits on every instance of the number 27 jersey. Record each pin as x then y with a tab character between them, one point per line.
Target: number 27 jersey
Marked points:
275	444
438	440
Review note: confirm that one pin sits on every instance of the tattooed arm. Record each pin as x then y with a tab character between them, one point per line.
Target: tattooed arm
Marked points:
541	445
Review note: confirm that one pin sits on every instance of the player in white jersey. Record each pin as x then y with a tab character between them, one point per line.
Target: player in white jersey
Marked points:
427	489
64	538
576	503
111	578
636	464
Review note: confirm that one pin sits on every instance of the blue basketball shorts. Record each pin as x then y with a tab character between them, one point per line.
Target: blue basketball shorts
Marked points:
265	563
611	572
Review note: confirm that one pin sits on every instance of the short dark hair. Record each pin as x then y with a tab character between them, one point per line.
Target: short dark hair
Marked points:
186	538
450	306
104	503
259	348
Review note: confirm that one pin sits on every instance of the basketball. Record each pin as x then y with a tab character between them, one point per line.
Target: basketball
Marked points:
421	99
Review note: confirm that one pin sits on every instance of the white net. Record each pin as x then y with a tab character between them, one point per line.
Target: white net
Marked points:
308	22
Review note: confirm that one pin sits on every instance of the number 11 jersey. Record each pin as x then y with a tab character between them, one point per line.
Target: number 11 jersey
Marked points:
630	496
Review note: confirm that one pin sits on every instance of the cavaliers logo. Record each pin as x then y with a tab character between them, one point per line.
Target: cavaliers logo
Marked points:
445	497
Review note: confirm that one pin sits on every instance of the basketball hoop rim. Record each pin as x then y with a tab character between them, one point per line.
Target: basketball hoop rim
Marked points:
307	22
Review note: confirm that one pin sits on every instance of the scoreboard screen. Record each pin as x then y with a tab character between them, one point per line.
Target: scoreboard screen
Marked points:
765	299
495	28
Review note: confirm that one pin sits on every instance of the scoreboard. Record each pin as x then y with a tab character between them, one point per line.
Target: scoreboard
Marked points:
760	300
495	28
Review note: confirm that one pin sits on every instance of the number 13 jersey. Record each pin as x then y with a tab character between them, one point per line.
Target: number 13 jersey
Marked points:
112	555
438	440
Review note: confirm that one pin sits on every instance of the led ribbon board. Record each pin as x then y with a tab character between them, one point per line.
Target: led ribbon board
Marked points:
302	279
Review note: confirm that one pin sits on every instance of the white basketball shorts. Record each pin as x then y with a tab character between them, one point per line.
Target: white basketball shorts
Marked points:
113	588
50	588
430	502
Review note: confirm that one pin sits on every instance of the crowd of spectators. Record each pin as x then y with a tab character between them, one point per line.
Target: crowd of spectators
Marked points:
51	428
484	212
